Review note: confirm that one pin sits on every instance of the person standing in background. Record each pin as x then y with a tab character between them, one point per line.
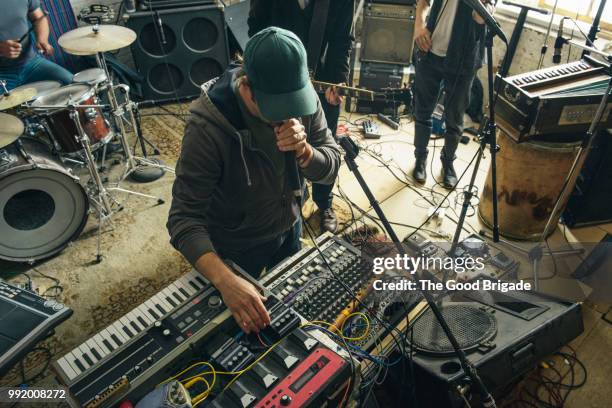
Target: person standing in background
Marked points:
21	61
328	46
449	40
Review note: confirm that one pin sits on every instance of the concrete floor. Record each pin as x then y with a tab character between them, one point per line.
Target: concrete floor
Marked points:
138	260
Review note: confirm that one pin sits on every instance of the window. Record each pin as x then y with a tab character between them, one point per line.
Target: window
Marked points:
583	10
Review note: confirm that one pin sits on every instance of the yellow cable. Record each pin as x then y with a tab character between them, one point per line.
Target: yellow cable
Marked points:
366	331
203	394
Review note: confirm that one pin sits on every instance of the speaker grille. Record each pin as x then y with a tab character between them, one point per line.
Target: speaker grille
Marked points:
388	34
195	49
471	326
204	69
165	78
200	34
150	40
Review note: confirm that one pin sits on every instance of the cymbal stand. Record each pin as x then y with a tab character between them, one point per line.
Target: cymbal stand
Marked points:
132	162
106	205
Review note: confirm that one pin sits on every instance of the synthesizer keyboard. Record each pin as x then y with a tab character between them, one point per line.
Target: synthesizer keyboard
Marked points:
129	355
25	319
557	100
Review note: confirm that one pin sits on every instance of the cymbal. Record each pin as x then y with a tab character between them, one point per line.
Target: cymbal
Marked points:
16	98
86	41
12	127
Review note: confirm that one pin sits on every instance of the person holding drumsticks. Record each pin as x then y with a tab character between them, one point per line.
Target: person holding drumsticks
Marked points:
21	53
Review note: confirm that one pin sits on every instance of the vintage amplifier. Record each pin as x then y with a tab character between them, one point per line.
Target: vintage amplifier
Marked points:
556	100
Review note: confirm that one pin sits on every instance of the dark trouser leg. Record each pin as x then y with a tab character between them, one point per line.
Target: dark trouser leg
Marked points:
322	193
456	102
427	86
253	260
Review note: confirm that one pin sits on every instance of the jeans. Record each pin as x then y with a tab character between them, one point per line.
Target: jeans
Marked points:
322	193
35	69
429	75
269	254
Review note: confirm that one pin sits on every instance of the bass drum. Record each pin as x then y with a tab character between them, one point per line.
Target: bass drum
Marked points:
42	205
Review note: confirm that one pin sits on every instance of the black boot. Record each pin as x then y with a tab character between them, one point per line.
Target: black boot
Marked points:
420	170
449	176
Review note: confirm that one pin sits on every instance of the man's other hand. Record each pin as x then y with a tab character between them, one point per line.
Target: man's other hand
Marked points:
245	302
10	49
332	97
422	37
45	48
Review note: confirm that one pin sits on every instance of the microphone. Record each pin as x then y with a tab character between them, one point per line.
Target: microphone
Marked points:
161	28
559	41
293	175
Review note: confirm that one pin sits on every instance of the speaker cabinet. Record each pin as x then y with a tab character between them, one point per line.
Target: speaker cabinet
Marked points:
388	33
179	49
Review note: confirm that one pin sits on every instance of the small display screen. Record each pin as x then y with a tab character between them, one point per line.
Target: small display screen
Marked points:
308	374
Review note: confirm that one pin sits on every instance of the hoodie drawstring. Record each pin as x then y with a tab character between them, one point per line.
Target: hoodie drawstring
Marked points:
244	164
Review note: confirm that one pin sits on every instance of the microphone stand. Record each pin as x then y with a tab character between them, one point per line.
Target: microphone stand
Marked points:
488	135
595	26
352	151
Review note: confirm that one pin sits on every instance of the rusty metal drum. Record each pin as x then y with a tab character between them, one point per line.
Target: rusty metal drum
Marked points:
530	177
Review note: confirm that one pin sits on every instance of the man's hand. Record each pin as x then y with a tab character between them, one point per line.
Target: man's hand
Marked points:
332	96
291	136
45	48
422	37
245	302
10	49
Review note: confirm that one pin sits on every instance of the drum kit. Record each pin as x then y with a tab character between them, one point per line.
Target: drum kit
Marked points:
45	130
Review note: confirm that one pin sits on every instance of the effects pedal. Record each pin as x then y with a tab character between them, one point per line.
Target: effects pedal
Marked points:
370	129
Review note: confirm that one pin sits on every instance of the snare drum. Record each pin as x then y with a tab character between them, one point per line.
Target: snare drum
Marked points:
61	126
91	76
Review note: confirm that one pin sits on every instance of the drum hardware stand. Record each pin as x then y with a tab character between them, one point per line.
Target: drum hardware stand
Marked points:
488	136
133	163
104	202
351	153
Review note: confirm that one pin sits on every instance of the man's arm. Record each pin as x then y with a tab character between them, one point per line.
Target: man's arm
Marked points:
422	36
339	44
197	174
259	15
41	29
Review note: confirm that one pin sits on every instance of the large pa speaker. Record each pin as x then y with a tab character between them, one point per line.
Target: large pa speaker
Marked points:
179	49
591	200
388	32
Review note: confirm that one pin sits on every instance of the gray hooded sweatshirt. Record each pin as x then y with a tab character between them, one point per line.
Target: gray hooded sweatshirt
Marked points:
227	193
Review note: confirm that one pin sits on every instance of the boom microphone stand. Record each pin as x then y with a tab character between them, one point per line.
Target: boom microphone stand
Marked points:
488	132
352	150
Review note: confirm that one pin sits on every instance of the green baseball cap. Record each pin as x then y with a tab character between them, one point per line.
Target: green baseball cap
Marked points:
276	64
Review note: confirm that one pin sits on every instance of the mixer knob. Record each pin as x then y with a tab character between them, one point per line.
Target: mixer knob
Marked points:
157	324
150	360
285	400
137	369
166	332
214	301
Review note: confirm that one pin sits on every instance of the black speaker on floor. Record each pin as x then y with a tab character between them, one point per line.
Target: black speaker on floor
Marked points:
388	31
591	200
179	49
504	335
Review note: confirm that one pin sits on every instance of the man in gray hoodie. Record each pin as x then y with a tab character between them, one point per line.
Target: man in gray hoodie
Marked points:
232	197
